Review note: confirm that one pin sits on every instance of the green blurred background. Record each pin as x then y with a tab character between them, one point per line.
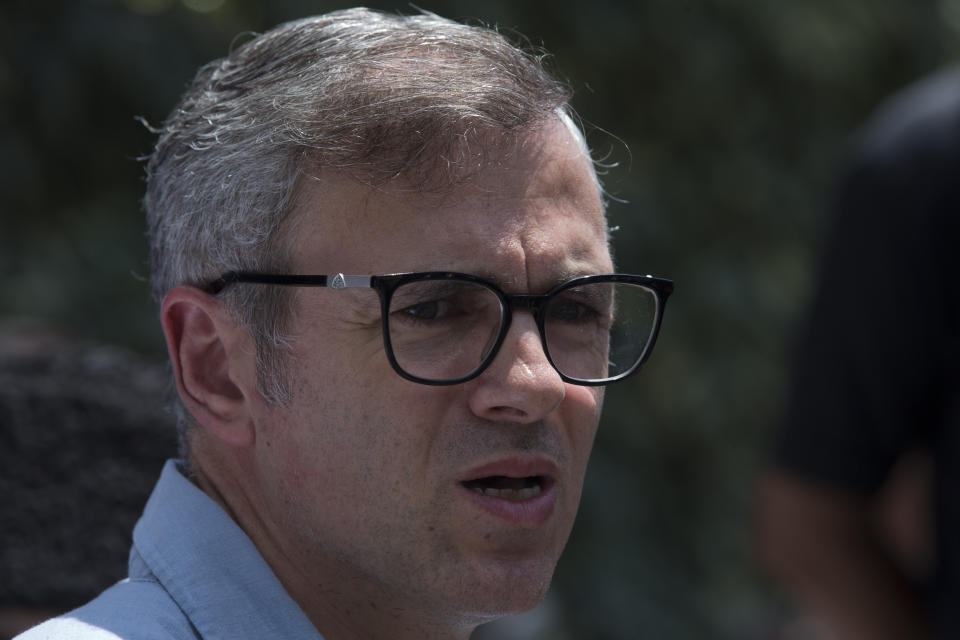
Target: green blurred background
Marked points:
724	122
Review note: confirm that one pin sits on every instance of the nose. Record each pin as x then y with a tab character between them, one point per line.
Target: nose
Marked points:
520	385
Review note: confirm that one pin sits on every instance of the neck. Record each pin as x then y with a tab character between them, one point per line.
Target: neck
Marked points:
349	609
340	601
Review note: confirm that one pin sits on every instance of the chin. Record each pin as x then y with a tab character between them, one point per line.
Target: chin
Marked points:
508	587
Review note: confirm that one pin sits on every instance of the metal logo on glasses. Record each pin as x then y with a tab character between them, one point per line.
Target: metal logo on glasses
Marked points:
338	282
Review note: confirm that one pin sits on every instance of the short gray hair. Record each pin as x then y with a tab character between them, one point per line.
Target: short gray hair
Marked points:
376	94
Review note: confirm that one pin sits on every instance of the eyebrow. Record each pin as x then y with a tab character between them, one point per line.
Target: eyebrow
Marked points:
555	277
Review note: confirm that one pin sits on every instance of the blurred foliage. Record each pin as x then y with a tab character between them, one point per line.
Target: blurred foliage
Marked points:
725	121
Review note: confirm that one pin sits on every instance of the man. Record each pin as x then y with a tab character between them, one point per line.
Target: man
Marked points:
371	456
876	393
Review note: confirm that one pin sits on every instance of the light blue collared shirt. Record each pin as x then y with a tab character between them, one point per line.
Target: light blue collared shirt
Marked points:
193	574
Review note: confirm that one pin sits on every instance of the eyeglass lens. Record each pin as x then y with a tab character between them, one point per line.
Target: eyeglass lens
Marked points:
445	329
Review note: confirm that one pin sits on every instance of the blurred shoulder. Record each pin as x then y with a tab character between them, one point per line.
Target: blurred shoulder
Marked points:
922	118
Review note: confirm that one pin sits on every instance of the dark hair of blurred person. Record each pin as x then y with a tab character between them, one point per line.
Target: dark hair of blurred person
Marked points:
860	516
83	433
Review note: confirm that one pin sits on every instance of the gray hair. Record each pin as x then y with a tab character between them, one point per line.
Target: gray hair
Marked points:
375	94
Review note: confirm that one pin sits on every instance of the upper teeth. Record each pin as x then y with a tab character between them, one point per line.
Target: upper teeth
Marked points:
510	494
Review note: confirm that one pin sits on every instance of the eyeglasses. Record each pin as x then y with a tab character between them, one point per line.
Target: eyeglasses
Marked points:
443	328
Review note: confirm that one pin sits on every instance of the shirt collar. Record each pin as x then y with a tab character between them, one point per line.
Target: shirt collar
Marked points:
210	568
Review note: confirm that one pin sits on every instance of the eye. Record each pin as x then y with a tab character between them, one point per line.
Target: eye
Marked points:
424	311
591	303
572	311
445	304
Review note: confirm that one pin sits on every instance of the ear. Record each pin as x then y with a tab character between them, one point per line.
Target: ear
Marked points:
213	363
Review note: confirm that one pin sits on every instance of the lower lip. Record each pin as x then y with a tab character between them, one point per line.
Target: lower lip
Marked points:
528	513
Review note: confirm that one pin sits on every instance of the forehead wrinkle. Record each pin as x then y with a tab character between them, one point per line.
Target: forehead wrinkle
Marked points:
507	211
534	269
342	204
527	255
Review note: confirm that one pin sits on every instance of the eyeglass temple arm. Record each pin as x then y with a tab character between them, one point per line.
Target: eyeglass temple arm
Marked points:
340	281
337	281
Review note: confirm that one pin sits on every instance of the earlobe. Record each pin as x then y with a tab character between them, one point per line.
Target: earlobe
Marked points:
212	366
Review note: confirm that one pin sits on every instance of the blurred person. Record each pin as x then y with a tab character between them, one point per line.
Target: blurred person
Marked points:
83	434
367	455
860	516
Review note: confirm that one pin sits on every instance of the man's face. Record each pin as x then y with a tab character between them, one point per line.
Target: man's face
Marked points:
366	474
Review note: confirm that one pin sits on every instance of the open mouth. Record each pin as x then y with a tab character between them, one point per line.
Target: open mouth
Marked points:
507	488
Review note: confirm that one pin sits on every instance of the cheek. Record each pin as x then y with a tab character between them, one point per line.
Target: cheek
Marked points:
357	445
404	432
582	406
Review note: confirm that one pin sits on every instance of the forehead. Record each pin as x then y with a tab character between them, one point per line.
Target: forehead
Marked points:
530	210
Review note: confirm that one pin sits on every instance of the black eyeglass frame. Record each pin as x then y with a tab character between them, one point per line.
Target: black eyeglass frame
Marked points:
386	284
